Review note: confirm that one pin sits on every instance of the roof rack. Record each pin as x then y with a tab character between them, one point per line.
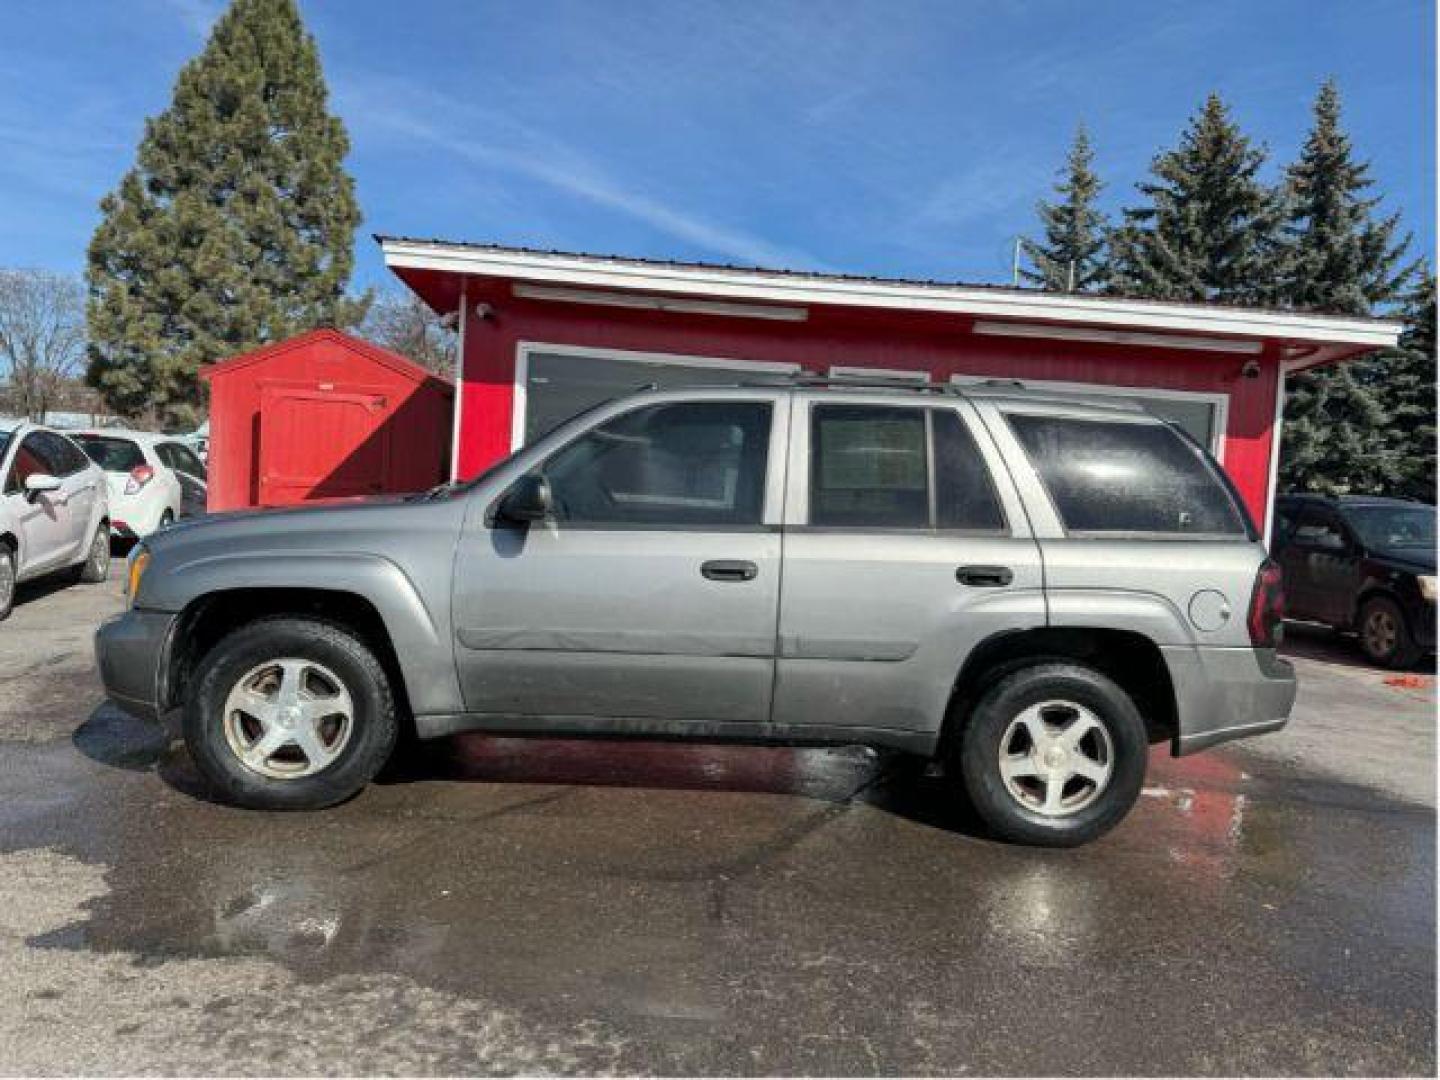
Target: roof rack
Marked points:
808	379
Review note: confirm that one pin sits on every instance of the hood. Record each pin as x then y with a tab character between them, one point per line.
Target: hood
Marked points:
353	513
1414	560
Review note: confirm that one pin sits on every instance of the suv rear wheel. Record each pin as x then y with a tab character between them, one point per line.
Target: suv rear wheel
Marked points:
1054	754
290	713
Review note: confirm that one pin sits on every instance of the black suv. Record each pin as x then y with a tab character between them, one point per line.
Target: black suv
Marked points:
1361	563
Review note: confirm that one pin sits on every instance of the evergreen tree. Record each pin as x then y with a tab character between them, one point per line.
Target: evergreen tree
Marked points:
1409	378
234	228
1335	258
1207	230
1071	258
1340	423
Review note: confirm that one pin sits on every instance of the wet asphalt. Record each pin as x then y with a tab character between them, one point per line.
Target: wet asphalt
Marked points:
507	905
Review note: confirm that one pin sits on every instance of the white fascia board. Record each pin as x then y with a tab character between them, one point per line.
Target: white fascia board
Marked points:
765	286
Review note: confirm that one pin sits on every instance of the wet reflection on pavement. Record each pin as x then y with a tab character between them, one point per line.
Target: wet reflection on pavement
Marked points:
755	910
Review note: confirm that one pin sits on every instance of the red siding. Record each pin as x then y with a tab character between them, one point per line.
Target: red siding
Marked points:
322	416
940	345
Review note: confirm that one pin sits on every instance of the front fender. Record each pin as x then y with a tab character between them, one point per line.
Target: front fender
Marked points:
422	648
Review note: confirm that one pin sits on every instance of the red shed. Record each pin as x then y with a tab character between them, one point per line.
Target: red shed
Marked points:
545	333
323	415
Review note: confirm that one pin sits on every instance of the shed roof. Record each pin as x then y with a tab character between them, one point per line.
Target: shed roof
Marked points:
401	365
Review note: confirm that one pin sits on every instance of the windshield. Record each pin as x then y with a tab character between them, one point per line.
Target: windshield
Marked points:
110	453
1394	527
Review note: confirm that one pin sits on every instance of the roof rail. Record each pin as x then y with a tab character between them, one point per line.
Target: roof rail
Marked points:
807	379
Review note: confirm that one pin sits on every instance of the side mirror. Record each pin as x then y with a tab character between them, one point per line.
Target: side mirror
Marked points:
39	483
528	500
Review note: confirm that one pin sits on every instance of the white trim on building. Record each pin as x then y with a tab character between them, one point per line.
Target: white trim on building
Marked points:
725	283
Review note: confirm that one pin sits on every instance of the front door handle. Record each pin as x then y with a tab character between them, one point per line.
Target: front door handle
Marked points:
991	577
729	570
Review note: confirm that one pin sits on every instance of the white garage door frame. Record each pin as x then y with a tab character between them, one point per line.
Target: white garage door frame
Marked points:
1219	399
525	349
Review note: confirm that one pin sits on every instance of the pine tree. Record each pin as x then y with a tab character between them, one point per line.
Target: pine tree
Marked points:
1340	422
1071	258
1409	377
236	225
1207	230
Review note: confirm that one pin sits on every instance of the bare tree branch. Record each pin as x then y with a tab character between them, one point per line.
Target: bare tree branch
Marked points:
402	323
42	336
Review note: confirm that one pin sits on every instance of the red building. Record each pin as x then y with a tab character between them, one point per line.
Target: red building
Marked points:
323	415
543	334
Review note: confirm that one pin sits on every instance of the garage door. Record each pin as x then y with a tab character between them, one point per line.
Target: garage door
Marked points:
561	382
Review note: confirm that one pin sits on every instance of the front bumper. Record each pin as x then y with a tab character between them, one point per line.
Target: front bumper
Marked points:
133	650
1228	693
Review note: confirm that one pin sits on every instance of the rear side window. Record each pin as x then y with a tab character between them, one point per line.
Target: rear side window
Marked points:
110	453
892	467
869	467
1117	477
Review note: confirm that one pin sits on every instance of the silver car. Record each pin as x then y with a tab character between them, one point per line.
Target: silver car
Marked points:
1030	589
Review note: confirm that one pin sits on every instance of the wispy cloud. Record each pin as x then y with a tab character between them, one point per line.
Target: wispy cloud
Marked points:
197	15
496	140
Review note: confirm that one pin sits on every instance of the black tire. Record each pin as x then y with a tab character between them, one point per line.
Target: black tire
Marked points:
166	520
980	747
371	740
7	580
1385	635
96	567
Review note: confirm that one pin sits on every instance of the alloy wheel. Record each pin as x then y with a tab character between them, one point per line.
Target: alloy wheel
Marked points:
7	579
100	555
288	718
1381	634
1056	758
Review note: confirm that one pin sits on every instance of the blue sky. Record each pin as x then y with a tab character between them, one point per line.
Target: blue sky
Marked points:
906	137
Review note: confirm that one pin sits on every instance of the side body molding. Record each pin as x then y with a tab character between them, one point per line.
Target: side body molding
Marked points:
424	652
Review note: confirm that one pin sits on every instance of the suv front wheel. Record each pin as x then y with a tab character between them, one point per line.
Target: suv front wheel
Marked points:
290	713
1054	755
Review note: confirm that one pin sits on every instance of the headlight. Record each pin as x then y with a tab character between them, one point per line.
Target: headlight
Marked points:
139	560
1427	587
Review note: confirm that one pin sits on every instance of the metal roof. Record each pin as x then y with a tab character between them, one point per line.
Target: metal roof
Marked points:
1076	303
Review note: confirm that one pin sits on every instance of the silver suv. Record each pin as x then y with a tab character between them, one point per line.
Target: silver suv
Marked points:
1030	588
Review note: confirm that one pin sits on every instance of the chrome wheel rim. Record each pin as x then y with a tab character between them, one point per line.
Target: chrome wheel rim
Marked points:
1381	633
1056	758
7	580
288	718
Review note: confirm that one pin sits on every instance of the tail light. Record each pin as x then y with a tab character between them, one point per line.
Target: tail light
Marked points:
139	477
1267	606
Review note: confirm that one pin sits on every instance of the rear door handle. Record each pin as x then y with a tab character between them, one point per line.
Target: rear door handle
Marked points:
992	577
729	570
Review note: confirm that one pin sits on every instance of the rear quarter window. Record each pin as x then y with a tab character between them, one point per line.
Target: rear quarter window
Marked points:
1121	477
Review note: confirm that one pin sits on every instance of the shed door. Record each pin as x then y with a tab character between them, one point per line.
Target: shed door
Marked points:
320	444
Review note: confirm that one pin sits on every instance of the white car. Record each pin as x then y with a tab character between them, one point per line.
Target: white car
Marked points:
54	510
154	480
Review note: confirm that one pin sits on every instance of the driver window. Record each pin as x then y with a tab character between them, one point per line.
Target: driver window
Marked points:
30	458
698	463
